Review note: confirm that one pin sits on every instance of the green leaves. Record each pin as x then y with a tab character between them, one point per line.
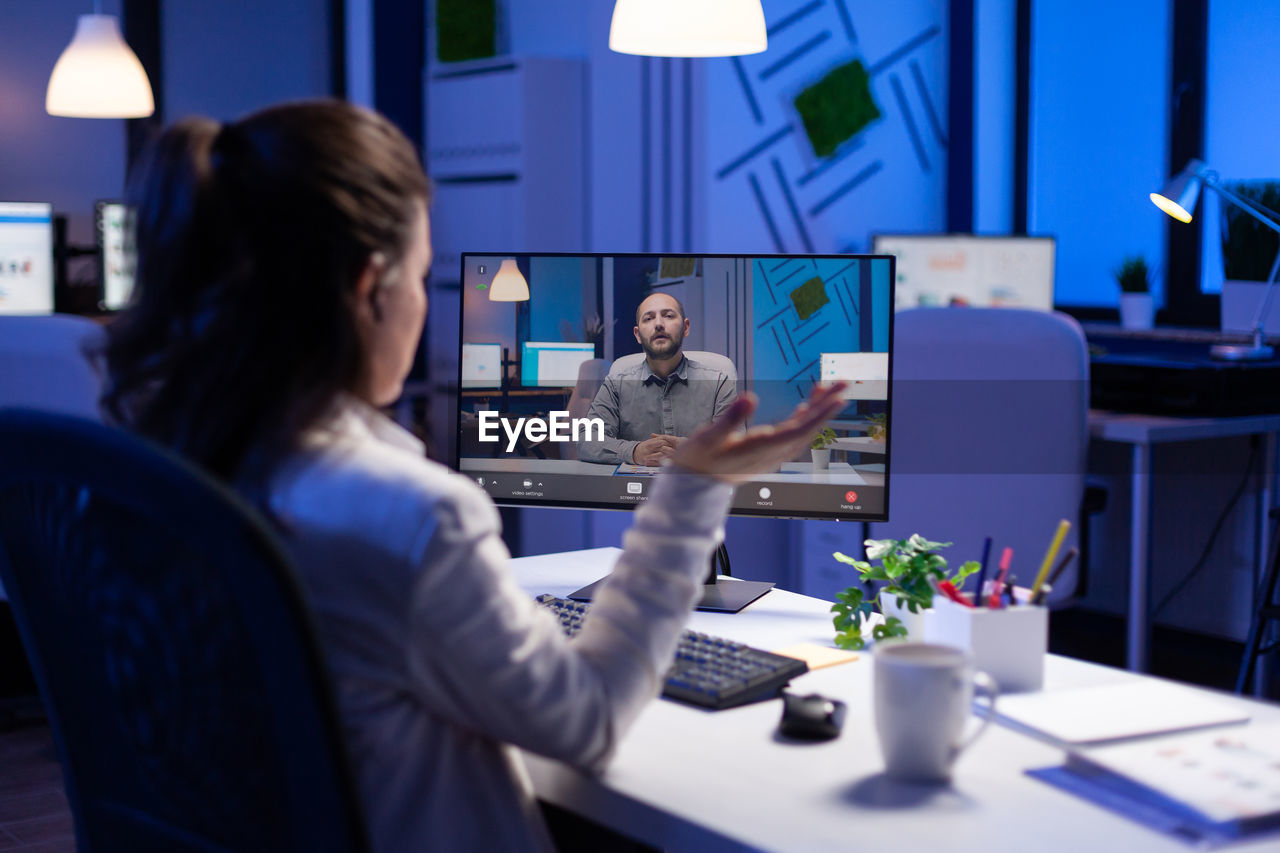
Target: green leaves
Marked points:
905	567
891	627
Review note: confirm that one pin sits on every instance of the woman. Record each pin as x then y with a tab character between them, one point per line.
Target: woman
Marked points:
279	302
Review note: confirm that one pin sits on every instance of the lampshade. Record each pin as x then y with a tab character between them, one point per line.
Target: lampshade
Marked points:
688	27
508	284
1179	196
98	76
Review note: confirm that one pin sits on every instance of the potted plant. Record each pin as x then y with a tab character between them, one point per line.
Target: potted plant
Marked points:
1137	311
1249	248
906	566
820	447
877	425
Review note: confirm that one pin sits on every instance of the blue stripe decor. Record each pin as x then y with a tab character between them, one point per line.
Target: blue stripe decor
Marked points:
797	186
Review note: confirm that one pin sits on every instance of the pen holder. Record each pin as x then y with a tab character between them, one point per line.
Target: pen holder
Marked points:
1007	643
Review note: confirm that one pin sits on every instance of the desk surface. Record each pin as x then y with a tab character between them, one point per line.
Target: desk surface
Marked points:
690	779
1152	429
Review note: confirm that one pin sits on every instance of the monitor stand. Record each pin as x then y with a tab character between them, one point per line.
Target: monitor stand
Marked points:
719	595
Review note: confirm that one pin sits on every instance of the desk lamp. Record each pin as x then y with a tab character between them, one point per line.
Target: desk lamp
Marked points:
1178	199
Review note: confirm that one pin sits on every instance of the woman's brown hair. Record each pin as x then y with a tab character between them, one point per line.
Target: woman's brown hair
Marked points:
250	238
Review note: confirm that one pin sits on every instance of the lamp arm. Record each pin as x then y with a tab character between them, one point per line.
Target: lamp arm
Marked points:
1257	211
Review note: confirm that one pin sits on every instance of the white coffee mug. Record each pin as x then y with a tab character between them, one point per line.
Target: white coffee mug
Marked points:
923	693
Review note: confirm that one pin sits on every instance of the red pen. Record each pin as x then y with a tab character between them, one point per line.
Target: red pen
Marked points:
948	589
1005	558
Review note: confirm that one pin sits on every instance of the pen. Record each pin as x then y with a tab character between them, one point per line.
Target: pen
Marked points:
982	572
1005	558
1050	556
1057	573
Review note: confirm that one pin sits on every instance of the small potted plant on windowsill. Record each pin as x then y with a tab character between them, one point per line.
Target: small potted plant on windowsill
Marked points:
1137	311
906	565
820	447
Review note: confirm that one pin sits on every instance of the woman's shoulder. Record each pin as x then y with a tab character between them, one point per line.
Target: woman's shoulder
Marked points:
362	482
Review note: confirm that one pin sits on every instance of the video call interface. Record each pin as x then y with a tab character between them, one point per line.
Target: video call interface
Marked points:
579	394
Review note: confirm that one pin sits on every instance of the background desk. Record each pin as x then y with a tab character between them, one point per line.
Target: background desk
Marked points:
686	779
1143	432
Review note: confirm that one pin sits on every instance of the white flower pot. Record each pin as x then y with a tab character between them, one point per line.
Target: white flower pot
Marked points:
821	459
913	622
1137	311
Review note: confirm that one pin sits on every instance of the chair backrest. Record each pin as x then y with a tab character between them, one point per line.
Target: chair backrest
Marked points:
713	360
44	364
591	375
175	655
989	431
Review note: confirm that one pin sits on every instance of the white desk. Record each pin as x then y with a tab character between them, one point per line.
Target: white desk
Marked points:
685	779
1143	432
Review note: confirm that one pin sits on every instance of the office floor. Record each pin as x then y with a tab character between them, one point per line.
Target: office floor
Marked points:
33	809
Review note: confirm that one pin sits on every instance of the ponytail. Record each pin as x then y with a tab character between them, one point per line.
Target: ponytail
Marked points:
250	238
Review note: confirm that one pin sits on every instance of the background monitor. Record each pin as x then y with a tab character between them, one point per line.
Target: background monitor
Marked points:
935	270
26	258
781	323
481	366
866	372
552	364
117	258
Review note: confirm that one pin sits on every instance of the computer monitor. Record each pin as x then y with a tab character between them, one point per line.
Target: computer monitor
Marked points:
26	258
481	366
773	324
551	364
117	257
964	269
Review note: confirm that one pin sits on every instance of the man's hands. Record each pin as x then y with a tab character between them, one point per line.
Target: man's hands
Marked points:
722	450
655	448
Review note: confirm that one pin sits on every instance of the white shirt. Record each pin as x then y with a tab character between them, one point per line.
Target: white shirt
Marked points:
441	662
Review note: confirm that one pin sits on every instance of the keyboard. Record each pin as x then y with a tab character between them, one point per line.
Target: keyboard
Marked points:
710	672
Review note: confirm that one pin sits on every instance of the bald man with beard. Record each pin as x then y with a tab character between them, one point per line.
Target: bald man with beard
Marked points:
647	409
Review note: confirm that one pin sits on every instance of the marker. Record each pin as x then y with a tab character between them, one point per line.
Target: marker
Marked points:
982	572
1050	556
1053	578
948	589
1005	558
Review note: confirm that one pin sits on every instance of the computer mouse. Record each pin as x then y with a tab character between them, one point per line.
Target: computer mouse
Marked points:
811	717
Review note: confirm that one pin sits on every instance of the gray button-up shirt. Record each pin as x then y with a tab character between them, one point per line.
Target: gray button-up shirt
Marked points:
635	403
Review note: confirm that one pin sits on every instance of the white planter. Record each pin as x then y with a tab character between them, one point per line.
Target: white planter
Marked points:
1137	310
913	622
821	459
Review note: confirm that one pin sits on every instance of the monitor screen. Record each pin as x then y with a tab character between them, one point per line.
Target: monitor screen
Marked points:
117	259
935	270
552	365
615	349
26	258
481	366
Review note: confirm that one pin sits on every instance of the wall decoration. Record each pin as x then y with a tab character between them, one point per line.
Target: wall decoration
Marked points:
836	132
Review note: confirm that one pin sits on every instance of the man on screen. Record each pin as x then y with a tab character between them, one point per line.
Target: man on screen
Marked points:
649	406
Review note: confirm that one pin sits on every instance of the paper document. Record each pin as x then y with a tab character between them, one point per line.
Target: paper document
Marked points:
1108	712
1230	778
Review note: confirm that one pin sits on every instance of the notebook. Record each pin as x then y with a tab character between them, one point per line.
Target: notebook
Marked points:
1112	712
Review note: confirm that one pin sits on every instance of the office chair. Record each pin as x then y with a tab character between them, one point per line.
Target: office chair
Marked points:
591	375
172	647
989	431
45	364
